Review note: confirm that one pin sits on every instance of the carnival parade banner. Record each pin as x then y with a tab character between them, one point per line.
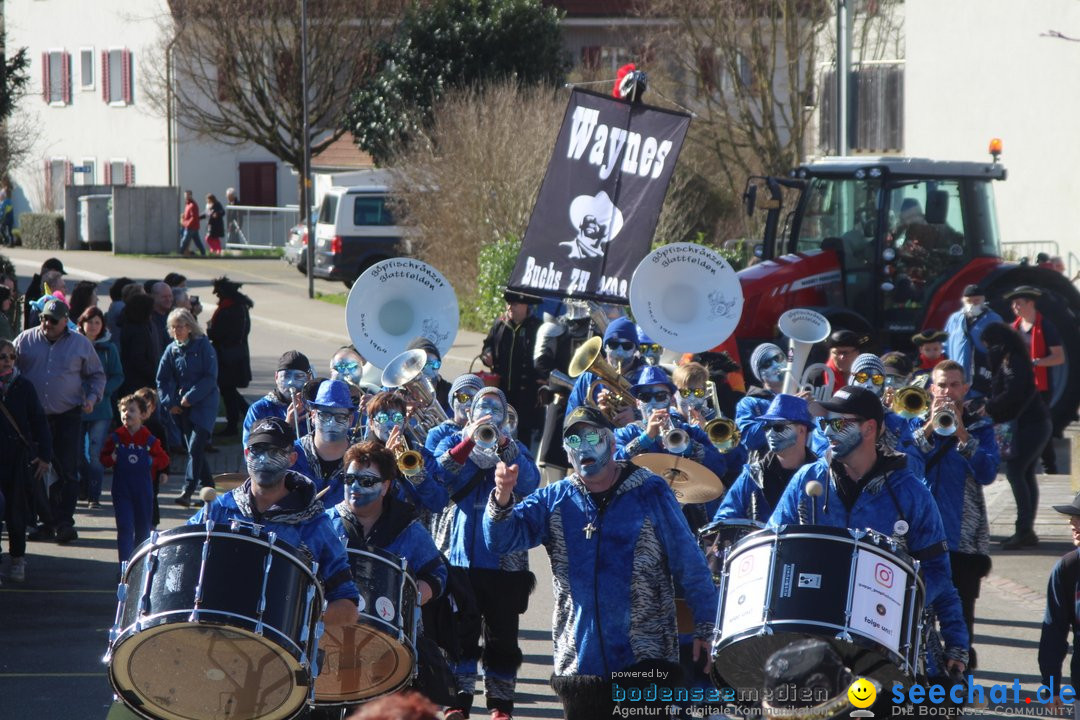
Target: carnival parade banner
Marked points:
597	208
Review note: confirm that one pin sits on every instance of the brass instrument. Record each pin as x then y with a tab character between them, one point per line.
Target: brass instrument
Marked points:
803	329
723	433
486	436
406	371
818	392
944	421
674	439
589	357
911	401
409	462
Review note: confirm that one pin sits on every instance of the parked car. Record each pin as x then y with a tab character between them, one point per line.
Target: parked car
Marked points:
354	230
296	248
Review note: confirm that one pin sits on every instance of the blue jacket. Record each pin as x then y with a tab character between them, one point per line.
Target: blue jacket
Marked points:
961	343
114	378
467	548
398	531
438	433
268	406
633	440
189	372
745	499
752	430
977	462
614	587
893	493
899	437
300	520
579	394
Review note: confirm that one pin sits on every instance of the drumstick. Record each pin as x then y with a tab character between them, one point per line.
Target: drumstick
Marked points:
322	492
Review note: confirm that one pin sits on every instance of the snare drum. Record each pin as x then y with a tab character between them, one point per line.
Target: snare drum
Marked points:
215	622
376	656
717	536
852	587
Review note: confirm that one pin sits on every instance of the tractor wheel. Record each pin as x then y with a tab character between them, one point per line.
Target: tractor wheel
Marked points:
1060	305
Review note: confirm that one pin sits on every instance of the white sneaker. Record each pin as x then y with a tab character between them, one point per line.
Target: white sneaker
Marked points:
18	570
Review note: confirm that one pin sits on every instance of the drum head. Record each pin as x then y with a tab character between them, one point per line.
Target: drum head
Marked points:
189	671
361	663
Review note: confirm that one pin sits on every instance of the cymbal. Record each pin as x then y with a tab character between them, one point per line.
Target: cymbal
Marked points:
690	481
224	482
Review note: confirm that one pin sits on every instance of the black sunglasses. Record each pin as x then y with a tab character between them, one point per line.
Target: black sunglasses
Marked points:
52	320
363	480
624	344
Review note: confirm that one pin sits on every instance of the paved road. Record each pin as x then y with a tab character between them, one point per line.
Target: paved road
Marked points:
56	623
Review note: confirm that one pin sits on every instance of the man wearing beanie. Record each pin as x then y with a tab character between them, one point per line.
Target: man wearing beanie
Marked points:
431	369
621	351
285	400
868	372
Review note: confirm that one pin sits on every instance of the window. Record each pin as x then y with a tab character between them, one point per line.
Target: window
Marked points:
56	77
57	177
116	82
85	173
371	210
86	68
328	211
875	109
119	172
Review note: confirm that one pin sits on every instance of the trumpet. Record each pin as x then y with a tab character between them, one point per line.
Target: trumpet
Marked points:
944	422
675	440
589	358
910	401
723	433
409	462
486	436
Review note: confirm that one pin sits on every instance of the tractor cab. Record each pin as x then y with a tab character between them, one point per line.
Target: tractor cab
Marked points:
899	237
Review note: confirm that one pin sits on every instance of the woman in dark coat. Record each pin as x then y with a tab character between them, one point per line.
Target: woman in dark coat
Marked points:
228	332
1013	400
139	351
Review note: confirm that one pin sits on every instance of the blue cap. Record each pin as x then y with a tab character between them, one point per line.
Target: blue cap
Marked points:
788	408
642	338
334	394
652	375
621	328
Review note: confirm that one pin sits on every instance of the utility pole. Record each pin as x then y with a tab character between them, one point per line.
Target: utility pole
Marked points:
305	202
843	76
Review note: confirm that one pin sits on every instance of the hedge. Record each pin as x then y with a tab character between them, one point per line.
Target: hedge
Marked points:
42	231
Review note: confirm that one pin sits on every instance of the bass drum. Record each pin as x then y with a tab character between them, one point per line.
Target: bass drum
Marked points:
854	588
215	623
718	536
377	655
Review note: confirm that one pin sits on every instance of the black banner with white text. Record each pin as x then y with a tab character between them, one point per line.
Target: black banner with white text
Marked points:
597	208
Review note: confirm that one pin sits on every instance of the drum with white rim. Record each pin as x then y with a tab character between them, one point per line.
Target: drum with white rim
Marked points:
854	588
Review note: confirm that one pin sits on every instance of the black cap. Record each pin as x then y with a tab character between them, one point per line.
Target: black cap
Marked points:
929	335
422	343
588	415
973	289
271	430
55	309
294	360
53	264
512	296
1072	508
859	401
1024	291
847	338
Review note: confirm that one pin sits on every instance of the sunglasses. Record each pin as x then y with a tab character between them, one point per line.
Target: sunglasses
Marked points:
837	424
646	348
346	366
267	449
774	361
861	377
364	481
619	345
6	356
696	392
323	416
592	437
463	397
654	396
52	320
433	364
778	427
382	418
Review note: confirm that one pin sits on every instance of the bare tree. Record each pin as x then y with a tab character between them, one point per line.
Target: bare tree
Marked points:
472	178
232	68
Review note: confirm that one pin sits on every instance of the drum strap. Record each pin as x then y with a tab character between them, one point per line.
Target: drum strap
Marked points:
946	445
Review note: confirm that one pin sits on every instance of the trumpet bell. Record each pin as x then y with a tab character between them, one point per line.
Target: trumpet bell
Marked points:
586	356
395	301
486	436
409	462
404	368
723	433
589	358
945	423
911	402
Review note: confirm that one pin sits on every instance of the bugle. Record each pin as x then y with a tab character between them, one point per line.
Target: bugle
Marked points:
486	436
675	440
589	358
409	462
723	433
910	401
803	328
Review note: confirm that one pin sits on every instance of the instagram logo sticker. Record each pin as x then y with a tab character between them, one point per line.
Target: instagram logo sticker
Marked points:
746	565
884	575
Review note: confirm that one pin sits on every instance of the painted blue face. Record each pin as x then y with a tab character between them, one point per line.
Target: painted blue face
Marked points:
289	380
383	423
619	352
653	397
772	368
347	369
589	450
363	485
843	439
780	436
462	404
333	425
489	405
267	465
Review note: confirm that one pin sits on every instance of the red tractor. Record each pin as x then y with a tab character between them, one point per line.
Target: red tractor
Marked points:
885	246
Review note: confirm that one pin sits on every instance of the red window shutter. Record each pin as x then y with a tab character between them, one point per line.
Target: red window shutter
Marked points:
129	174
126	73
105	75
65	78
48	184
45	76
68	172
108	173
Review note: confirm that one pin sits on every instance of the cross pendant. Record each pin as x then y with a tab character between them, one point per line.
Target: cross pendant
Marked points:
589	530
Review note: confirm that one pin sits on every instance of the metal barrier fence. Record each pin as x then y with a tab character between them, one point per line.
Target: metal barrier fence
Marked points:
1029	249
248	227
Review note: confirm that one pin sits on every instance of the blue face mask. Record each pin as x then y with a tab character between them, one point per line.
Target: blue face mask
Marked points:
346	370
431	368
289	380
489	406
845	440
772	369
330	427
619	357
382	423
780	440
589	459
268	468
364	486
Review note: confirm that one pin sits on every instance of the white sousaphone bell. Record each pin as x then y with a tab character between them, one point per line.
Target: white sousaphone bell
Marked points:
395	301
804	328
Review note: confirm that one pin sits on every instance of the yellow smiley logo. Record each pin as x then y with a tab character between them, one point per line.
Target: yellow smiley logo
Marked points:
862	693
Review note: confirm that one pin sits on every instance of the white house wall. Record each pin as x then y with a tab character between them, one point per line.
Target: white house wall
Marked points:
978	69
